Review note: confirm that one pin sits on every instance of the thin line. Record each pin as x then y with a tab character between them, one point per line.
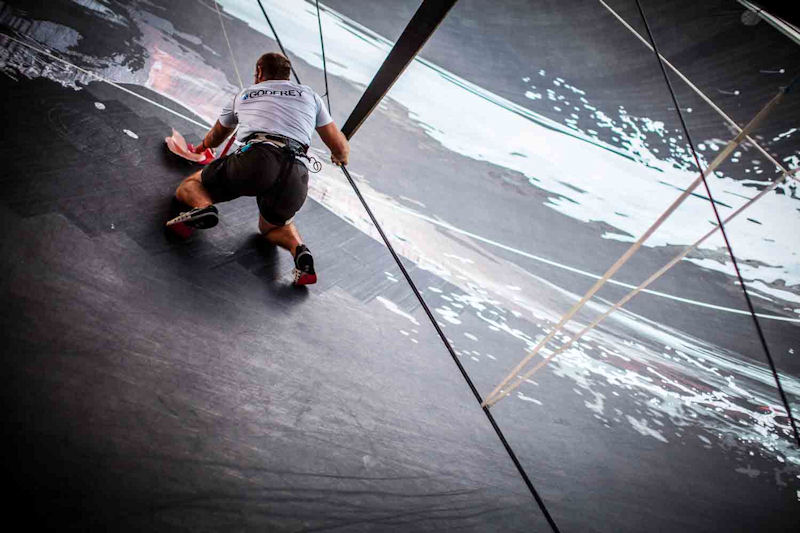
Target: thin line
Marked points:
562	266
596	287
324	66
113	84
452	352
230	49
698	91
761	336
783	26
277	39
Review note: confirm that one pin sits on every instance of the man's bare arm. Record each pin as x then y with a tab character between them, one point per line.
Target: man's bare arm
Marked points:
336	141
214	137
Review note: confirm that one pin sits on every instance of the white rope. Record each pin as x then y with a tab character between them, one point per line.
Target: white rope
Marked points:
230	49
789	30
700	93
625	299
729	148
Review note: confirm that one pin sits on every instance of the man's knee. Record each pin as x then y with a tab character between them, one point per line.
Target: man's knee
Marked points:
274	231
187	183
265	227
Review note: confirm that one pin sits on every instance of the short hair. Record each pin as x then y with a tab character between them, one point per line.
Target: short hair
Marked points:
274	66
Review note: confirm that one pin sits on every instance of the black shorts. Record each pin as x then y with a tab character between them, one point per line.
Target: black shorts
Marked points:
254	172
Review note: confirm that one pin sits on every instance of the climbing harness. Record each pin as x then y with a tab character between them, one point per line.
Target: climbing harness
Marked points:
290	149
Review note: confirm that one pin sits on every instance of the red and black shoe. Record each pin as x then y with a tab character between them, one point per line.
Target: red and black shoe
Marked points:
304	273
197	218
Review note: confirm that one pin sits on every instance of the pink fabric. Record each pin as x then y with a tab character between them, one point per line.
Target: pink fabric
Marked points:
178	146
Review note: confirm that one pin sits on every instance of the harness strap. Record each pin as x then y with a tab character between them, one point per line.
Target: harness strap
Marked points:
287	141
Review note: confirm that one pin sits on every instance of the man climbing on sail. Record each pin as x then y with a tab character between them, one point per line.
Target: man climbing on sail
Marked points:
276	119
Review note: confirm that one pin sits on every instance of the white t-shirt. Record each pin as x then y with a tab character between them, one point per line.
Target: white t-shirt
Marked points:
276	106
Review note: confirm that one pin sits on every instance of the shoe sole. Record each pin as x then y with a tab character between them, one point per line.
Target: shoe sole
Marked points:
181	230
203	221
304	279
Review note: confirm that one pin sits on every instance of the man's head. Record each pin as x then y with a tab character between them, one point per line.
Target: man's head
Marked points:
272	66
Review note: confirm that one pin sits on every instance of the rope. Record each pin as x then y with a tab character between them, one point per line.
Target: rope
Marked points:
494	395
674	261
230	49
785	27
435	324
228	144
283	51
452	352
750	306
724	153
700	93
324	65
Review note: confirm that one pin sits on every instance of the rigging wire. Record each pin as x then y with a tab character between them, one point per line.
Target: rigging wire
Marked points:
700	93
750	306
230	49
324	65
283	50
232	138
415	290
452	352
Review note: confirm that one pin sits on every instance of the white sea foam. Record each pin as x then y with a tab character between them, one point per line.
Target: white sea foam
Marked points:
641	427
391	306
528	399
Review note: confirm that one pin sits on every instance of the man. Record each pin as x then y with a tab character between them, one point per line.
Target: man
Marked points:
276	119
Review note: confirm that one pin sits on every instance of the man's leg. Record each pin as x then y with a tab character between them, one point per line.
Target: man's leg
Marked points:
288	237
191	193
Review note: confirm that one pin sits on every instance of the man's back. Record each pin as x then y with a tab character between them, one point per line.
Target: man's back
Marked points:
277	106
